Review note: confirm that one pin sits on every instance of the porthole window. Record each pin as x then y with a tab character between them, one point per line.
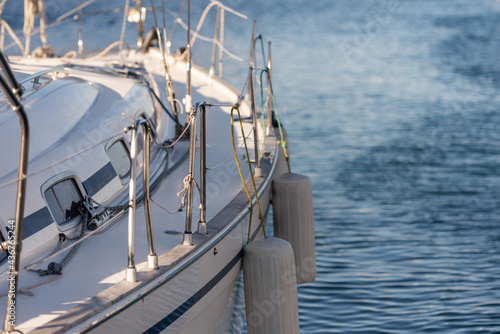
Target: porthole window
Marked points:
62	199
120	158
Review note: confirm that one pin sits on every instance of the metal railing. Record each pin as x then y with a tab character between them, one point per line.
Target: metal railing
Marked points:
13	91
131	272
200	107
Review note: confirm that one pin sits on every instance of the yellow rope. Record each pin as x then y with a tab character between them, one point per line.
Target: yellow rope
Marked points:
283	142
261	217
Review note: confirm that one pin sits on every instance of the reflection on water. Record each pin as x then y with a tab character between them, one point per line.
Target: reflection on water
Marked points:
394	117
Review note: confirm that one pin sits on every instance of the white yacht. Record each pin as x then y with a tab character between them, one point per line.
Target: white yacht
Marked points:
126	177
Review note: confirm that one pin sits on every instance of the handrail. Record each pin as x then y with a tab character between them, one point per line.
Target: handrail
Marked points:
269	92
13	92
189	180
11	79
251	87
202	224
200	107
258	170
152	257
131	272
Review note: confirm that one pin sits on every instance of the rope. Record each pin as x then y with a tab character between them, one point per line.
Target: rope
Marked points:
12	35
55	268
175	119
168	79
24	290
2	4
184	191
33	9
71	12
71	55
124	27
65	159
261	217
283	141
191	114
60	19
175	142
97	231
229	158
161	207
208	39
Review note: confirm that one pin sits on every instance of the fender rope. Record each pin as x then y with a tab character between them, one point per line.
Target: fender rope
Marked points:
261	217
283	141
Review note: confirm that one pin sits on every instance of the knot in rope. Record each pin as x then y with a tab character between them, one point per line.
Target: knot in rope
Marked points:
53	268
184	191
193	112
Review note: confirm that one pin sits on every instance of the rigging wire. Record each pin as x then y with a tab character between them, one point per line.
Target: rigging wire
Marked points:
124	27
168	80
65	159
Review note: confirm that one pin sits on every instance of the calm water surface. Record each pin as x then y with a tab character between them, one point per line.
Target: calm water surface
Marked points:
392	110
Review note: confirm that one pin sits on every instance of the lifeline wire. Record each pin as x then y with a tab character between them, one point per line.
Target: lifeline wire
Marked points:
65	159
239	148
176	141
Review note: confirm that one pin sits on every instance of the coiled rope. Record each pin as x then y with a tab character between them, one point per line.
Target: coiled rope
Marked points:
54	268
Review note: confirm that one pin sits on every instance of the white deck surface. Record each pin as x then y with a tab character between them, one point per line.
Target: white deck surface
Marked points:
101	260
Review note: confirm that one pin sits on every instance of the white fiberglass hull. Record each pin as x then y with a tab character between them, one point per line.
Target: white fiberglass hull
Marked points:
102	128
191	297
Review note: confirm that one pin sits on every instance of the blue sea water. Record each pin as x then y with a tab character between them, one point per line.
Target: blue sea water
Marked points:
392	111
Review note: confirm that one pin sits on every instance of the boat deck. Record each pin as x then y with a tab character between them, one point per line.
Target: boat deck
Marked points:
98	268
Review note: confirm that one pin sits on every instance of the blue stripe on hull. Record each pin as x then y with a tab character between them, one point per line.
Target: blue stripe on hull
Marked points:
99	179
178	312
